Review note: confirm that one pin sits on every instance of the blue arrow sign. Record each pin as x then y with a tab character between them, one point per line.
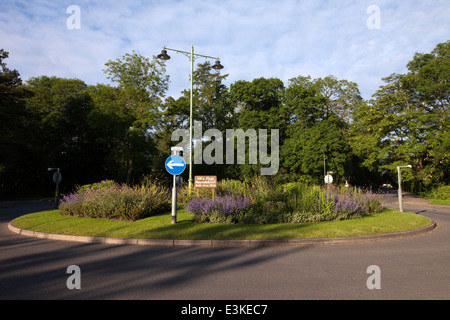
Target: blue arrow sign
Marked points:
175	165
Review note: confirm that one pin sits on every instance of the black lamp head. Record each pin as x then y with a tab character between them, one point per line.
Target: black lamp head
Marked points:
163	55
217	65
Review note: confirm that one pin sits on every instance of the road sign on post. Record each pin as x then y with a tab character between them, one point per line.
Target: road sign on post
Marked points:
57	177
328	179
175	165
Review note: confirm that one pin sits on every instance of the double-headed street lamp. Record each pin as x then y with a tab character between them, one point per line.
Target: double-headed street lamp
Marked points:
217	66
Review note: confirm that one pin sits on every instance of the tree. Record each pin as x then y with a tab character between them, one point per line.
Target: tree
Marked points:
258	105
303	151
62	137
142	83
210	98
319	113
304	102
313	100
407	122
15	138
110	121
341	97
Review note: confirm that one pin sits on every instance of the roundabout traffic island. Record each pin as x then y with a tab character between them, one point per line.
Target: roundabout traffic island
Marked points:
290	242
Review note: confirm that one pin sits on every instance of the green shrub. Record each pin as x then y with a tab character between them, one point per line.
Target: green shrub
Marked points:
109	200
290	202
440	193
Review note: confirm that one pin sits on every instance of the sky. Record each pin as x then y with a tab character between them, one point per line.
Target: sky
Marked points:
355	40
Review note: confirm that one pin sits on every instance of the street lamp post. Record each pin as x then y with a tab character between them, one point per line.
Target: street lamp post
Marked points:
324	149
400	199
217	66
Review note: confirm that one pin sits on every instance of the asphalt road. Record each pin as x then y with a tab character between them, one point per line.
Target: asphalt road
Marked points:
414	267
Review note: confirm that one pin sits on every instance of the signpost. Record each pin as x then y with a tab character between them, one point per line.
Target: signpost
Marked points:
206	182
57	177
175	165
328	179
400	200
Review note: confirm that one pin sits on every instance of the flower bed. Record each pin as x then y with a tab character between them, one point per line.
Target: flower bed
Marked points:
108	199
224	209
258	201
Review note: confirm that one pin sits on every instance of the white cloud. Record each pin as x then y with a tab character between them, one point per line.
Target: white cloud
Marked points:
258	38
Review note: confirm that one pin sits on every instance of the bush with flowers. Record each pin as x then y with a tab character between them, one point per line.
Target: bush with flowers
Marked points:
110	200
260	201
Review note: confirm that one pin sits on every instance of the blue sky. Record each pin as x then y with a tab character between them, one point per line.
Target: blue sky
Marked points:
253	38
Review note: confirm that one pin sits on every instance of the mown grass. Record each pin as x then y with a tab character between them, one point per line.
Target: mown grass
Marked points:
440	202
160	227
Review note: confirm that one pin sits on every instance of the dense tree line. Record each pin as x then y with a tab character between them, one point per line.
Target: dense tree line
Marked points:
123	131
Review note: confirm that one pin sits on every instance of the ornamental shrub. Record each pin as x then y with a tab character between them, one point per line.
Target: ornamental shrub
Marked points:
441	193
260	201
109	200
224	209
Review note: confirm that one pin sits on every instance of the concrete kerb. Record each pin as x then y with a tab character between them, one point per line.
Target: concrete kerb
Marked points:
223	243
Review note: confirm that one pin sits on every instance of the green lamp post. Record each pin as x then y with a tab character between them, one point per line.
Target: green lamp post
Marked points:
217	66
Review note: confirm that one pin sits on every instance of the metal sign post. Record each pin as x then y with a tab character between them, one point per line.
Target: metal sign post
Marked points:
175	165
57	177
400	192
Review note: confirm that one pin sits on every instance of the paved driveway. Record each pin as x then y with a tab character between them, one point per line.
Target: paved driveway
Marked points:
410	268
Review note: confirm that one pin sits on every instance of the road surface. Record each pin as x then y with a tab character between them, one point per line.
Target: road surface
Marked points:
414	267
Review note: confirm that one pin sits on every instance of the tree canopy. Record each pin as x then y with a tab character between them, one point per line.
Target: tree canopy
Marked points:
122	131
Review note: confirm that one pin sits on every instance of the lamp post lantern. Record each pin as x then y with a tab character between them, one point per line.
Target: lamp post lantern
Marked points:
217	66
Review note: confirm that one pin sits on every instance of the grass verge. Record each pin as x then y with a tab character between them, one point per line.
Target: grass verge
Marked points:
440	202
159	226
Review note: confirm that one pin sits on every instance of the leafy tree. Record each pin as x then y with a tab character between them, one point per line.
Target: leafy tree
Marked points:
62	136
260	95
210	98
15	138
304	150
341	97
408	121
258	105
304	102
319	113
110	121
142	83
312	100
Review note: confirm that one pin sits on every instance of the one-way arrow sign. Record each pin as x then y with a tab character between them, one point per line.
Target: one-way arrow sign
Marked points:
175	164
172	164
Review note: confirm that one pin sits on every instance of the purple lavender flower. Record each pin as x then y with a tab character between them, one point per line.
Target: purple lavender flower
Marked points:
225	205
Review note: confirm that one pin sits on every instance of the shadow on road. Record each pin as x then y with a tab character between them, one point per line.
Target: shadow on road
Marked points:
32	268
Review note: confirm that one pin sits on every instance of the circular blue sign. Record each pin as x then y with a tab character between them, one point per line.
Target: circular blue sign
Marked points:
175	165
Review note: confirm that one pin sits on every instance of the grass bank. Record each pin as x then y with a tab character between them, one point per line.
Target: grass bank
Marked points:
159	226
440	202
